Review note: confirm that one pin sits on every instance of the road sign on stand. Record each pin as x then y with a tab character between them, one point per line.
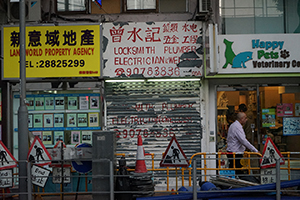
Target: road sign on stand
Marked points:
270	155
40	175
83	166
58	174
6	178
6	158
57	157
38	153
268	175
174	155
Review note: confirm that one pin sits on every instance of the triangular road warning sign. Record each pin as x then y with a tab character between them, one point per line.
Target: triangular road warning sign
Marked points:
6	158
270	155
58	144
56	155
38	153
174	156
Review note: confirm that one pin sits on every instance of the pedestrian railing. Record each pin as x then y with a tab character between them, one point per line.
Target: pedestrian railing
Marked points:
170	179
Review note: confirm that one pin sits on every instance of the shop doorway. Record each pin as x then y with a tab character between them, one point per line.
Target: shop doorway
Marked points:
230	100
272	110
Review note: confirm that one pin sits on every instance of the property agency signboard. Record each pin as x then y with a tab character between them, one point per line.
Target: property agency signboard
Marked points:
160	49
265	53
53	51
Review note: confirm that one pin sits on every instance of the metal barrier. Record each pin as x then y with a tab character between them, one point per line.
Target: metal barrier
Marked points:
204	158
190	176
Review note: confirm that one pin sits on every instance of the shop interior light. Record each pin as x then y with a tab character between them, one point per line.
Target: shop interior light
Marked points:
173	79
124	80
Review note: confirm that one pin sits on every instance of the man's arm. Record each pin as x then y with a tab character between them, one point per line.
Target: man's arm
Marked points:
242	138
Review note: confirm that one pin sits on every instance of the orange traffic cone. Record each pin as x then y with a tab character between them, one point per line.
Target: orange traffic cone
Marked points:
140	165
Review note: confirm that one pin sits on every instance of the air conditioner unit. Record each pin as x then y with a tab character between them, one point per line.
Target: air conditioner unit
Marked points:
204	6
32	10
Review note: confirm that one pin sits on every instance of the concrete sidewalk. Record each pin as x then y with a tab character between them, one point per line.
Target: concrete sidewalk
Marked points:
65	197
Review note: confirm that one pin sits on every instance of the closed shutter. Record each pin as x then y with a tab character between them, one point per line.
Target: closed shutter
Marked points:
157	111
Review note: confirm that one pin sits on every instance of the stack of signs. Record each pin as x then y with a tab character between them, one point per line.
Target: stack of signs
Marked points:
57	155
58	173
268	162
39	156
7	161
60	169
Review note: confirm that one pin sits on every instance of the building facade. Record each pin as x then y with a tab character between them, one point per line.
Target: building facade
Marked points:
253	61
134	67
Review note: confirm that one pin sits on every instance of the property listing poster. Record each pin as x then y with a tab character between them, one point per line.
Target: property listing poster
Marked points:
30	103
70	118
75	137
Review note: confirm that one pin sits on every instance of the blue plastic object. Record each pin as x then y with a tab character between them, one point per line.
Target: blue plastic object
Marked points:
207	186
82	166
187	189
243	191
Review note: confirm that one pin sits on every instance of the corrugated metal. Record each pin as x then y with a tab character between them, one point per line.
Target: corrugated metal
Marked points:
156	110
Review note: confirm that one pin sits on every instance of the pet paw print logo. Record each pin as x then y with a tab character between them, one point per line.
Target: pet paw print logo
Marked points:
236	61
284	54
119	71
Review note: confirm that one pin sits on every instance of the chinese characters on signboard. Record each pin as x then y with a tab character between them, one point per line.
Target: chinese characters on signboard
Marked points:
161	49
53	51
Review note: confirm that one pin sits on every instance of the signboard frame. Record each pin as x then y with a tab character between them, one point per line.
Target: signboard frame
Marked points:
153	50
258	54
53	52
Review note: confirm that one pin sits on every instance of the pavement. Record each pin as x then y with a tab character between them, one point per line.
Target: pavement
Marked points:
65	197
52	197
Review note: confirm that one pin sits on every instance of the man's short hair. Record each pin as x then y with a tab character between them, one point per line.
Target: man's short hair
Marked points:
240	115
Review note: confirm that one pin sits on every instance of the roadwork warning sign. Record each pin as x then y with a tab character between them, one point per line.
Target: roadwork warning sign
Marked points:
174	155
38	153
270	155
7	160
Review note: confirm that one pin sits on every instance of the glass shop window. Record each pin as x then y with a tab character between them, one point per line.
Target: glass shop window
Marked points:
160	6
259	16
278	116
79	6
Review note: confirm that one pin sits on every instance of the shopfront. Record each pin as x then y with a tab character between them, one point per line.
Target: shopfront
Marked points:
63	95
272	109
261	72
153	85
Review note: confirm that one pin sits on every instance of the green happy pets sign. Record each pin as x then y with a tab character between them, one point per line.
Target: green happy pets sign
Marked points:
268	53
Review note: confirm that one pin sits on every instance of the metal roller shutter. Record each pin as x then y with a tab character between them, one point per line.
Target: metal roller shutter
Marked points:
156	110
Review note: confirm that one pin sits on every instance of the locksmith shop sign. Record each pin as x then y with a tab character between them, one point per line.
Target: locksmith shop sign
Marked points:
267	53
53	51
160	49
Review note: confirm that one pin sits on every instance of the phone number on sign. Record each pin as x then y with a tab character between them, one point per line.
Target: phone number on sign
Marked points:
55	63
143	132
150	71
